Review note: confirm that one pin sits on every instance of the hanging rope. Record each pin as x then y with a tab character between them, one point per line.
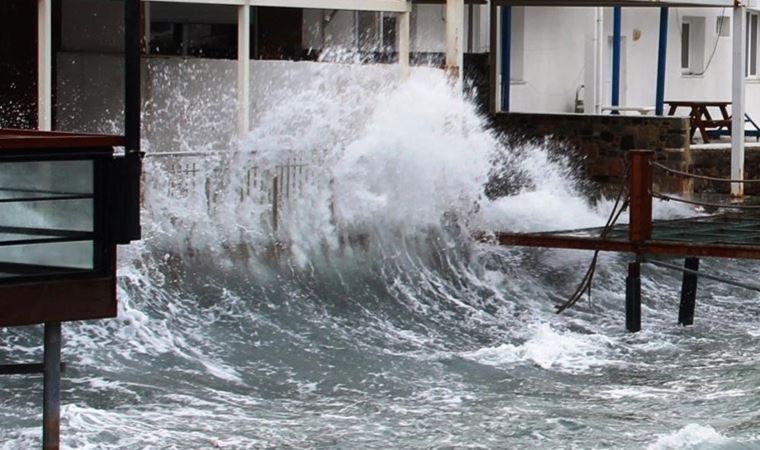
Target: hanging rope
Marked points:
699	177
617	209
668	198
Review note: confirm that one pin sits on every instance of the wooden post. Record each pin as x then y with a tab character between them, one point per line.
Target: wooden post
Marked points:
639	231
633	297
275	203
688	292
640	228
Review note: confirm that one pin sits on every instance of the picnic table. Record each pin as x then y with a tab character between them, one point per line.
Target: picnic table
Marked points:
700	116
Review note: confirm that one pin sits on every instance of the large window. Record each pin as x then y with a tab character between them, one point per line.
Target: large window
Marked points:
193	39
752	45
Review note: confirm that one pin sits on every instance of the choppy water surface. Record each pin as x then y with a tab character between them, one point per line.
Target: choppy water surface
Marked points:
411	336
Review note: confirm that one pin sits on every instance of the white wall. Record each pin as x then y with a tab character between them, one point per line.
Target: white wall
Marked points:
553	59
714	85
429	29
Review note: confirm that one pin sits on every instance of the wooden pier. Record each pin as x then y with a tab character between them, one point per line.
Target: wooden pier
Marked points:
725	235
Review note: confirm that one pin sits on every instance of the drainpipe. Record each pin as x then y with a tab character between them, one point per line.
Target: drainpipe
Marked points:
661	62
599	60
617	19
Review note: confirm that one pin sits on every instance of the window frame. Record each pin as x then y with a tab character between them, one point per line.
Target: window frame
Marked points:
752	46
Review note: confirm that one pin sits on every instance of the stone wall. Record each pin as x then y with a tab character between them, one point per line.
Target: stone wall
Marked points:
602	141
717	163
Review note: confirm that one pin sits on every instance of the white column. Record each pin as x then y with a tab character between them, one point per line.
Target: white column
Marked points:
244	68
737	101
455	38
404	40
44	66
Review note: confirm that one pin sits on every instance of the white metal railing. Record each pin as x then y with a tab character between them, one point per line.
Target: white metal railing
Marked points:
276	187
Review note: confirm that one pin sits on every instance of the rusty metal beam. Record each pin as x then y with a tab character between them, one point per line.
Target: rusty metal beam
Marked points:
670	248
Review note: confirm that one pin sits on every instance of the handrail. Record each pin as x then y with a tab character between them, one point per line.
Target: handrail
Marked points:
705	204
700	177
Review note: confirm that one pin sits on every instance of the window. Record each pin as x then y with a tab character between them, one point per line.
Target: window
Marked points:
376	35
752	50
194	39
692	45
723	26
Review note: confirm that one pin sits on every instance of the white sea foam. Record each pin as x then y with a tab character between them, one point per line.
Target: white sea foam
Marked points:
692	436
549	349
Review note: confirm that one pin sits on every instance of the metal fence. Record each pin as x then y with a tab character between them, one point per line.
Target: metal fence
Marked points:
275	187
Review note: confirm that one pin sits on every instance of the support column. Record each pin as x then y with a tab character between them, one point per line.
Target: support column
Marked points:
404	40
455	39
244	68
662	54
633	297
639	231
737	101
44	65
51	396
132	122
617	21
506	55
688	292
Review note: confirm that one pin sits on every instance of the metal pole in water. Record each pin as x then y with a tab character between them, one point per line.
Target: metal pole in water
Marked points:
688	292
633	297
51	402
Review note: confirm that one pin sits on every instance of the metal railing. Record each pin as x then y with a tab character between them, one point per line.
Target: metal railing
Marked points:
276	187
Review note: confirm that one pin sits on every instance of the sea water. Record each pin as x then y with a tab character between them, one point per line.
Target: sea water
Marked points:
370	317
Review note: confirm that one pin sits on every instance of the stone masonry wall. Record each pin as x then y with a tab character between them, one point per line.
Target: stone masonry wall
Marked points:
717	163
602	141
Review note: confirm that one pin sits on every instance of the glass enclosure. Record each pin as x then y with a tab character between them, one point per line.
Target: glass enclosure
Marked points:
47	218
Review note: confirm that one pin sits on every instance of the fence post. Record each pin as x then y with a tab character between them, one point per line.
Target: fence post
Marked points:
640	228
275	203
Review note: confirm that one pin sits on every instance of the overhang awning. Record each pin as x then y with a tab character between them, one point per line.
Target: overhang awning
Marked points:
352	5
626	3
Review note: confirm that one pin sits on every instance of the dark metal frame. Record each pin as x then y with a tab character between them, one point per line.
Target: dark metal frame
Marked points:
99	236
640	242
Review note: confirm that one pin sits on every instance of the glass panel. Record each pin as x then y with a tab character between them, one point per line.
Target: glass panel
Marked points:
685	45
46	216
747	46
63	255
